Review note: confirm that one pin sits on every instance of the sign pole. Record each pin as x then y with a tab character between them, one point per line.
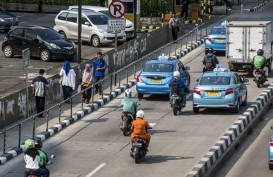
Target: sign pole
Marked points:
26	65
27	92
116	55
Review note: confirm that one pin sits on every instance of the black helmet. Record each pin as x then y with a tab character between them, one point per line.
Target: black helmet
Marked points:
210	50
260	52
38	143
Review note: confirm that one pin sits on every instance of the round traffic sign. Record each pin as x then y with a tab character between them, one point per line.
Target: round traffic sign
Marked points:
116	9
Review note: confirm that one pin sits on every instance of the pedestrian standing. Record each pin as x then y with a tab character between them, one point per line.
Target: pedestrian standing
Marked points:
174	25
40	84
87	77
185	9
99	66
68	78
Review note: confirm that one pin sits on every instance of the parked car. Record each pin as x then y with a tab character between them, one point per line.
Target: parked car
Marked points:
216	38
270	152
156	74
94	27
7	20
220	89
42	42
129	26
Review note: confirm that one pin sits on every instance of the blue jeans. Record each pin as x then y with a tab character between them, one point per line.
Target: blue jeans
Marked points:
98	86
40	171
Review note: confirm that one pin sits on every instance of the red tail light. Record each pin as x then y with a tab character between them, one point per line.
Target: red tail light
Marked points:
229	91
138	79
271	142
208	38
137	140
31	176
197	91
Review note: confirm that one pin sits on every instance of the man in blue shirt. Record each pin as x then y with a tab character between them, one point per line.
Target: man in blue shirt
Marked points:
99	66
181	87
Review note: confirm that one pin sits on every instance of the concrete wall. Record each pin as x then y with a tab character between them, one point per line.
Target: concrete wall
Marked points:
13	107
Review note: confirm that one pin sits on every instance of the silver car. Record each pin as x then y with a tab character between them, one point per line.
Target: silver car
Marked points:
94	27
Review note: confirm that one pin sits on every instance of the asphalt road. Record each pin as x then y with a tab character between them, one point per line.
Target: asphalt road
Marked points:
178	142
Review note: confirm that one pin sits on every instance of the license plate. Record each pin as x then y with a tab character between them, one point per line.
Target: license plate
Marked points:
155	81
214	94
137	144
219	40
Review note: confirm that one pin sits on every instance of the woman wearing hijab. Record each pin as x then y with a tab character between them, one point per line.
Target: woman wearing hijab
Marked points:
86	82
68	78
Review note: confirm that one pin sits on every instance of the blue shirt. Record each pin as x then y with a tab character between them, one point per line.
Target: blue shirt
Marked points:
181	84
99	64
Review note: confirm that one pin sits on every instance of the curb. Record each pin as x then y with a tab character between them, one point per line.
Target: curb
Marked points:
232	136
67	121
258	7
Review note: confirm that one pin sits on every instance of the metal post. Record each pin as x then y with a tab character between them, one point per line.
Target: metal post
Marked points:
59	105
196	32
116	57
170	50
191	37
186	41
47	116
27	92
111	82
33	128
135	70
71	107
102	83
181	45
4	143
82	100
175	49
201	33
135	19
79	31
92	93
20	134
119	79
127	75
242	6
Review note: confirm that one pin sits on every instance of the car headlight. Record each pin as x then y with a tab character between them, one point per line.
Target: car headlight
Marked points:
2	20
101	30
55	46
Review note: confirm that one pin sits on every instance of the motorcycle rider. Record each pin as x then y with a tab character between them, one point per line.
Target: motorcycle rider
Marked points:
128	104
259	62
210	61
44	160
139	128
32	159
182	88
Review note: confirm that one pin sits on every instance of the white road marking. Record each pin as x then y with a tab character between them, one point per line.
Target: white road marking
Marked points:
96	170
152	124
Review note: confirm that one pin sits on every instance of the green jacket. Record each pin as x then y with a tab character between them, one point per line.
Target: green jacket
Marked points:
128	105
44	161
258	61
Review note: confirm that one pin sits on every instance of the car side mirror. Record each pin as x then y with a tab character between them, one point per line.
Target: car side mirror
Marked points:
245	80
87	23
197	80
187	67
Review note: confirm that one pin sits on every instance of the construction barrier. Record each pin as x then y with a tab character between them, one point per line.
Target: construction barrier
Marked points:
148	28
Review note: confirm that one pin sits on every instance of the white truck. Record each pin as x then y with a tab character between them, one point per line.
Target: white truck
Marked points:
243	39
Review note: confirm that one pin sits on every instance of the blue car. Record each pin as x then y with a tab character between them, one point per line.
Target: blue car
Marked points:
270	153
156	74
216	39
220	89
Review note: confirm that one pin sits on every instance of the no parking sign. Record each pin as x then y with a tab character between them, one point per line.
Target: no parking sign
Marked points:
116	9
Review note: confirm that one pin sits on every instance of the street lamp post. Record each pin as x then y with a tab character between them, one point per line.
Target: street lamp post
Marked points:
135	19
79	32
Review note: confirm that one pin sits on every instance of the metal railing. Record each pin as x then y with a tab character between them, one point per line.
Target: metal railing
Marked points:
115	79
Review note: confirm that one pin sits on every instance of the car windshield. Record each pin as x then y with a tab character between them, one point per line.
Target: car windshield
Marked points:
215	80
158	67
98	19
218	31
48	34
106	12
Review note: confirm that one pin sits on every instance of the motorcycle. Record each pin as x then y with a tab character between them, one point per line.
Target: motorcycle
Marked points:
32	174
176	103
138	150
259	77
126	123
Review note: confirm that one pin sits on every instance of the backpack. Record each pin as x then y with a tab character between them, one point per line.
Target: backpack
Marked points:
209	62
175	86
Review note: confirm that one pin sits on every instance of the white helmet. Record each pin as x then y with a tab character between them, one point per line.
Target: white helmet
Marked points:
128	92
140	114
176	74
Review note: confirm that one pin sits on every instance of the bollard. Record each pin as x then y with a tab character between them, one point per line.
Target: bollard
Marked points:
71	107
47	116
82	100
4	143
33	128
20	134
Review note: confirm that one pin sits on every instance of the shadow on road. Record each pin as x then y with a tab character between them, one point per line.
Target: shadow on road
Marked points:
161	158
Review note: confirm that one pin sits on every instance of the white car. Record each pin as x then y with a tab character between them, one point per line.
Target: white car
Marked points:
94	27
129	26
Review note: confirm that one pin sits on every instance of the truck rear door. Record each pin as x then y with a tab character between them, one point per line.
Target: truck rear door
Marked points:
255	40
235	37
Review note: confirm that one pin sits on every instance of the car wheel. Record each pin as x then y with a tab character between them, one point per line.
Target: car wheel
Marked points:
237	108
139	95
95	41
270	166
245	102
8	51
62	34
45	55
196	110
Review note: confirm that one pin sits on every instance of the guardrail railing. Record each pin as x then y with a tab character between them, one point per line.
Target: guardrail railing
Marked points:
115	79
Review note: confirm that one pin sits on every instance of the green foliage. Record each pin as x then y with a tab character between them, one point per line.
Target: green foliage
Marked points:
154	8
